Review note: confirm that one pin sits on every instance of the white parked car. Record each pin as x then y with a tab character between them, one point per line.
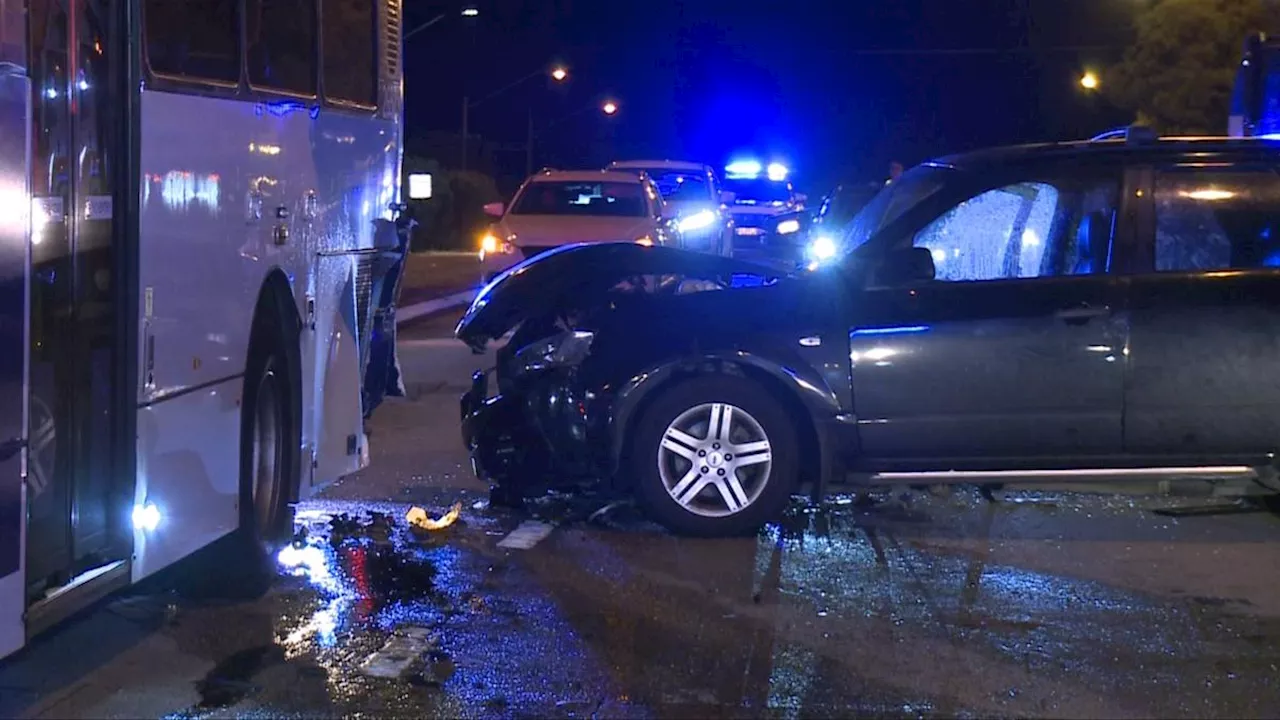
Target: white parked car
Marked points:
700	203
562	207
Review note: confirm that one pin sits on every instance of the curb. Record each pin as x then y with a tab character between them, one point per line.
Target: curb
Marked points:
422	309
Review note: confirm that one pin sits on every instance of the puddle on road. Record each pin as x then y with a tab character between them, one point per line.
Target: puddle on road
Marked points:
850	607
231	680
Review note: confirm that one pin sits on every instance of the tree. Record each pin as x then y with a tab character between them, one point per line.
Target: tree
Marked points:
1179	72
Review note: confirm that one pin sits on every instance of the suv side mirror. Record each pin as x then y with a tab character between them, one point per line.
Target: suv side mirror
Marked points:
904	266
493	209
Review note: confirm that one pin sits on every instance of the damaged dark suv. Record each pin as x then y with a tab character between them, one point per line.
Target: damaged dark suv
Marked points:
1072	311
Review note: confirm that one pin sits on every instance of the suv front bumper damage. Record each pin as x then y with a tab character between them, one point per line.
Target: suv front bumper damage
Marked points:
549	432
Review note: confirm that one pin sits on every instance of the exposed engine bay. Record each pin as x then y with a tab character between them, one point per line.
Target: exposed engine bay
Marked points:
585	314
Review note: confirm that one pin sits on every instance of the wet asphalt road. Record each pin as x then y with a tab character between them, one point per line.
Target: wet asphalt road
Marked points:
902	603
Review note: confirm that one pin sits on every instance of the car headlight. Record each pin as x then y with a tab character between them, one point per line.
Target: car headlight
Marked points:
491	245
786	227
564	350
697	221
822	248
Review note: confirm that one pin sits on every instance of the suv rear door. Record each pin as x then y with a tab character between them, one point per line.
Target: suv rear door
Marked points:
1204	348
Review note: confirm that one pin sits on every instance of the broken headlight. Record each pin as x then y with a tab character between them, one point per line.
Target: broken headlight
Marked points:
566	349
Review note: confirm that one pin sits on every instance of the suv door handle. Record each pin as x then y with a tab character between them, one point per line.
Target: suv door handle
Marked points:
1081	314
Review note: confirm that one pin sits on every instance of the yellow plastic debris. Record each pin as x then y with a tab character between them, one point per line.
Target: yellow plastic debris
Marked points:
419	519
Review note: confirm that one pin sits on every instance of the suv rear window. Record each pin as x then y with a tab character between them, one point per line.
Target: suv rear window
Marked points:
1217	220
599	199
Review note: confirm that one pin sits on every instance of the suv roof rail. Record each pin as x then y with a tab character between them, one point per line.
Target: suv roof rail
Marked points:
1140	134
1114	134
1131	134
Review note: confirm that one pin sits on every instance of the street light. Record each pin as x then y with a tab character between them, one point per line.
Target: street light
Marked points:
1089	81
469	11
608	107
559	73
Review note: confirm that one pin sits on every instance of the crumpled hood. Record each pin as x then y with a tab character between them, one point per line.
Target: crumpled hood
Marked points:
554	230
576	275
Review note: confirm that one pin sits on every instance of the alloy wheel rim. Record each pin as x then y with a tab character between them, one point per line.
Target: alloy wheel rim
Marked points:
715	459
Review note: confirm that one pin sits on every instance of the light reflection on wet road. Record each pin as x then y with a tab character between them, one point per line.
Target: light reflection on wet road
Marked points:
906	604
898	609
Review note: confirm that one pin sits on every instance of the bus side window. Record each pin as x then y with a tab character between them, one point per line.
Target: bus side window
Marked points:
197	39
282	39
349	57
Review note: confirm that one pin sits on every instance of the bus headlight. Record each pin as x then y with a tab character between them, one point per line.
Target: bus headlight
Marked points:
146	517
786	227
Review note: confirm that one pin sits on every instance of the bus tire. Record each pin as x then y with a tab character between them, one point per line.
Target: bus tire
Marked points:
269	447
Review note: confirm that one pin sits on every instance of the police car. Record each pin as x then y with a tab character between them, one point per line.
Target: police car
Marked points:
768	214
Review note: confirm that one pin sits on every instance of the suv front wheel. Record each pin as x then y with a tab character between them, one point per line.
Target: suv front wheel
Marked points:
715	456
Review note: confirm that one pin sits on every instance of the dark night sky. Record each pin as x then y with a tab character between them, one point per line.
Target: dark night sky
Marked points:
707	79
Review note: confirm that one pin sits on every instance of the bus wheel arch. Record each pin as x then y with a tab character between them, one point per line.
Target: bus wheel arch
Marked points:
271	418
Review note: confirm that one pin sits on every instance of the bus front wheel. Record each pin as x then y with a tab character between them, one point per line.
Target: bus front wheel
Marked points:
269	449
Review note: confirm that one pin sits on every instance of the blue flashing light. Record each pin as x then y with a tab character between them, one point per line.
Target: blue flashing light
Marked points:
743	168
894	330
777	172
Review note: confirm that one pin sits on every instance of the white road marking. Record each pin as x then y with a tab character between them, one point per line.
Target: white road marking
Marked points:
413	312
400	652
530	533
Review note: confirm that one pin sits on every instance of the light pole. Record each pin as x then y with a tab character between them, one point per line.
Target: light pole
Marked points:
609	108
559	73
468	11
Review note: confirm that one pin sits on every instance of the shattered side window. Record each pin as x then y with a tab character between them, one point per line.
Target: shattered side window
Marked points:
973	240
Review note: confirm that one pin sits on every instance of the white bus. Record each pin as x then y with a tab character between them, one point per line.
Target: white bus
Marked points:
198	200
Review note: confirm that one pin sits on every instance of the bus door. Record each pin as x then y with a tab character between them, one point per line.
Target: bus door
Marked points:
79	490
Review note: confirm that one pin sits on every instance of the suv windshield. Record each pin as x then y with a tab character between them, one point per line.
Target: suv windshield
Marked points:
909	190
600	199
843	204
758	191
